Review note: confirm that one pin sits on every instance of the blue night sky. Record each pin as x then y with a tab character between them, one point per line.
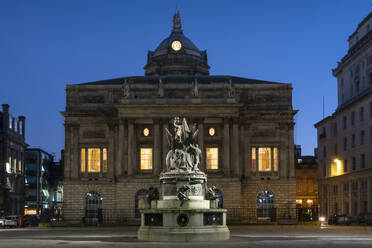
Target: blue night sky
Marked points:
45	45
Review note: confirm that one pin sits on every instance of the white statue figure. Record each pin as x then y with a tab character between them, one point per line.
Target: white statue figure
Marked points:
230	89
161	88
126	89
185	153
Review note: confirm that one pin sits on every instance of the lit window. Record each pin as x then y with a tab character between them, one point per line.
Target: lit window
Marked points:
146	158
82	160
146	132
104	160
309	202
94	160
254	160
212	158
299	202
19	165
264	159
337	168
212	131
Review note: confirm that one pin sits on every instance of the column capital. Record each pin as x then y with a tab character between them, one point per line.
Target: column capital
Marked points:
131	120
122	120
226	120
157	120
236	120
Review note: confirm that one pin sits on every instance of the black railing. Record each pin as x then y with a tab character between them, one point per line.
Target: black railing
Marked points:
234	215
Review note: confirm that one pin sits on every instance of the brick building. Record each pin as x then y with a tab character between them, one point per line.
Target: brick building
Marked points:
115	142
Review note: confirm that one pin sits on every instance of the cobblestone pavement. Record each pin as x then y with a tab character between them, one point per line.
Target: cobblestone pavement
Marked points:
241	236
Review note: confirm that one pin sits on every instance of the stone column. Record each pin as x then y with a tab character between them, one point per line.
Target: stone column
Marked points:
67	158
201	143
342	200
75	165
369	194
165	145
157	148
235	147
243	149
131	148
359	194
120	150
226	146
290	162
111	152
351	205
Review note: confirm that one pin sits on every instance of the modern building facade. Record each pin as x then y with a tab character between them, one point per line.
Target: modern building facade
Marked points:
115	142
12	146
345	137
38	188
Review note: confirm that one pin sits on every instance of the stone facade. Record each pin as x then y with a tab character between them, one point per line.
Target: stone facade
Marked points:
306	182
112	116
12	147
345	137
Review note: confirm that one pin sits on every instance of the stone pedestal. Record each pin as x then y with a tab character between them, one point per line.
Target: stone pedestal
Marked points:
171	219
183	213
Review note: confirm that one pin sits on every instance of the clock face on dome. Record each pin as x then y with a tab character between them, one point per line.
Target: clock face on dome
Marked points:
176	45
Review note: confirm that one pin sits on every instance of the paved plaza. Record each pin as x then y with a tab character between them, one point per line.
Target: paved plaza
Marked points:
241	236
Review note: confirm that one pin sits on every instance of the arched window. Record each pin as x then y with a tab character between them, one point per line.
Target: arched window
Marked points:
141	194
265	199
93	208
265	204
219	198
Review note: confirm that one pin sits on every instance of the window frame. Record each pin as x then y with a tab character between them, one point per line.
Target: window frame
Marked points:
139	159
86	172
272	162
218	157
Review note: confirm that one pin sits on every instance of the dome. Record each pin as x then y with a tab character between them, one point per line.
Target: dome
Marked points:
186	42
177	55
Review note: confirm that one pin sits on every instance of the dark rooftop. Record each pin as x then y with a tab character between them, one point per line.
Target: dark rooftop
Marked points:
180	79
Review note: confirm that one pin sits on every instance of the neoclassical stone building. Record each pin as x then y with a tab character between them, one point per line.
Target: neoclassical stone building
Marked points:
115	142
345	137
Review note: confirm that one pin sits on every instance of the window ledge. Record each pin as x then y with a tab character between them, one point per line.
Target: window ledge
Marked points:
145	171
265	174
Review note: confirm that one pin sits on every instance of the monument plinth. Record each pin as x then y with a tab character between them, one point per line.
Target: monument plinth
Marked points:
187	209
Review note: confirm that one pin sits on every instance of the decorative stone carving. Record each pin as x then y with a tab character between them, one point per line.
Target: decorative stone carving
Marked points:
161	88
182	194
230	90
211	193
126	89
195	88
153	194
185	153
93	99
94	134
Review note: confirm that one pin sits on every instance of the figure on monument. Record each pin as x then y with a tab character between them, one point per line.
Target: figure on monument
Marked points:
126	89
185	153
195	88
230	89
161	89
153	194
211	193
182	194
